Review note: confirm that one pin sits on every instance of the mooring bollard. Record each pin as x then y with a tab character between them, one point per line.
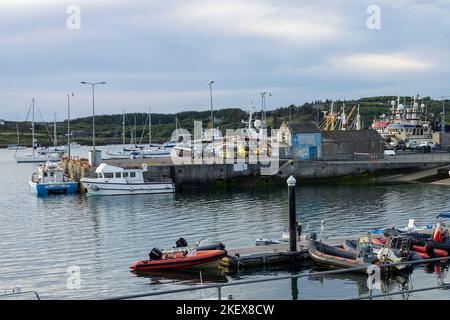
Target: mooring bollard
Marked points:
292	214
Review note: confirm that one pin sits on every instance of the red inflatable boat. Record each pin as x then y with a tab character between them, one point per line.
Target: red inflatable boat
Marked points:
422	250
181	260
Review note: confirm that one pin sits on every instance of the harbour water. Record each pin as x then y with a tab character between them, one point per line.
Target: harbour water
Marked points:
41	237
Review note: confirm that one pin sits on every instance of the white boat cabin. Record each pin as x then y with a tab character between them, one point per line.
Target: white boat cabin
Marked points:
108	173
49	172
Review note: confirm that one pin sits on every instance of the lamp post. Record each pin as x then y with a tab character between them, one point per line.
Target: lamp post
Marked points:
212	115
93	84
263	94
68	122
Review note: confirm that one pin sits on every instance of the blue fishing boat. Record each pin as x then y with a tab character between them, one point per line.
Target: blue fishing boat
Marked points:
50	178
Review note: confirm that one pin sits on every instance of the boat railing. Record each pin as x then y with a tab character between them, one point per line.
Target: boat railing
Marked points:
219	287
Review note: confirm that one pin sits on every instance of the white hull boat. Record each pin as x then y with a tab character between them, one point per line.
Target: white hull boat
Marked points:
30	158
118	181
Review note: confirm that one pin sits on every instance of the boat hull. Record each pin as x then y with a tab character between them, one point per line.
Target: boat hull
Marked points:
49	188
202	259
112	189
335	257
34	159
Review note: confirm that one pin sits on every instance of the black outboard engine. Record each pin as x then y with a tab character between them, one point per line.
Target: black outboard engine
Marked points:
155	254
312	236
181	243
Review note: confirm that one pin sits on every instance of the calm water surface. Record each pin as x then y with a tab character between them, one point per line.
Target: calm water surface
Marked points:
42	237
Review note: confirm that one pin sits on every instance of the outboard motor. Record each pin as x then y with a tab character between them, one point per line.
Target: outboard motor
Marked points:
312	236
181	243
155	254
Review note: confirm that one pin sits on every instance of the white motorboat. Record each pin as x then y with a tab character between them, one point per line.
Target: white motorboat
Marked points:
113	180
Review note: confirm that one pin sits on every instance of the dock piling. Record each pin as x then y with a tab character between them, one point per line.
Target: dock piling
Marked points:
292	214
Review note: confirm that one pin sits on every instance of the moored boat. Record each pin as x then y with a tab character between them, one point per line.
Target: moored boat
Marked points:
180	260
113	180
339	257
49	178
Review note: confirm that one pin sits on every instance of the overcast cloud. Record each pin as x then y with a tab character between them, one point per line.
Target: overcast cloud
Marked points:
163	53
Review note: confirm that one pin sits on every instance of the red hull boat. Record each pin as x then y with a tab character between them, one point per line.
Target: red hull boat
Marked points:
181	260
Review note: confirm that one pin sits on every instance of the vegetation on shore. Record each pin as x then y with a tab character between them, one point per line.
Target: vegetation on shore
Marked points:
109	127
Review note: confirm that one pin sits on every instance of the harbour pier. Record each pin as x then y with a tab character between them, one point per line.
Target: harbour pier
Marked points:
401	168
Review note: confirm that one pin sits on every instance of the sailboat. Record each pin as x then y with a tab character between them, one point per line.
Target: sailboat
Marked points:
16	146
124	153
37	155
153	152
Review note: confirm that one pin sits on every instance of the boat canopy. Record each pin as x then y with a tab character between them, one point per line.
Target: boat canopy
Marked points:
106	168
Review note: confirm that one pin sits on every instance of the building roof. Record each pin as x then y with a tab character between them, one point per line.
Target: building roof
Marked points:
351	135
302	127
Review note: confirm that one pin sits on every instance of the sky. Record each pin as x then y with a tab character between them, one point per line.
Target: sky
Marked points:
163	53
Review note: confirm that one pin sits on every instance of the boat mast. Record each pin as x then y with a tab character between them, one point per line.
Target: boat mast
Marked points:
54	130
149	127
32	128
17	129
135	133
123	130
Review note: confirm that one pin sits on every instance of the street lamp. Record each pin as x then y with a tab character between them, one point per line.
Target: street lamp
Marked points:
68	122
211	96
263	94
93	84
264	107
443	121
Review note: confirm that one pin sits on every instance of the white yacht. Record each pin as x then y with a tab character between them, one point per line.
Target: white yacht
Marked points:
113	180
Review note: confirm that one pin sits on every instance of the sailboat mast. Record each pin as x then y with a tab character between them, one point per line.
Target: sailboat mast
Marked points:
17	129
54	130
135	133
123	129
149	127
32	128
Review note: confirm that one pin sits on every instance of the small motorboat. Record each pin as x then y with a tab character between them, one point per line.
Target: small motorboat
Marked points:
426	251
180	260
377	246
50	178
439	239
339	257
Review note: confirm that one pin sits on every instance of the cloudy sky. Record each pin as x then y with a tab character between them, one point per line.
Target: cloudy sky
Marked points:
162	53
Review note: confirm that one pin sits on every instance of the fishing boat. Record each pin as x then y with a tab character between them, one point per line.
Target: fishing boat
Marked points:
113	180
50	178
406	123
180	260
